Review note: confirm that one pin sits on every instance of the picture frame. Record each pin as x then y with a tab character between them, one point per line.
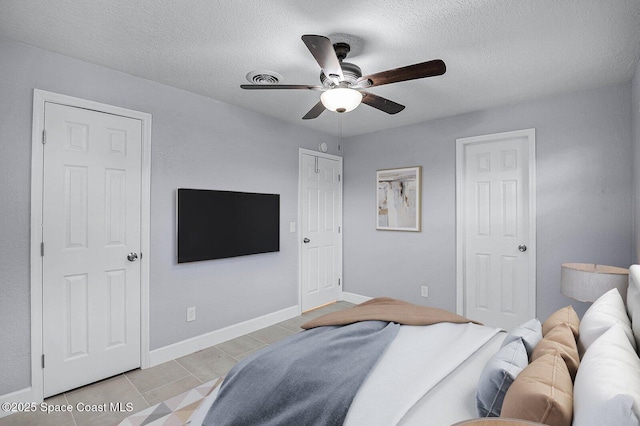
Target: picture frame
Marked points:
398	199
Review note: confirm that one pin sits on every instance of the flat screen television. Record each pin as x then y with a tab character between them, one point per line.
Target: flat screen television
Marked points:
219	224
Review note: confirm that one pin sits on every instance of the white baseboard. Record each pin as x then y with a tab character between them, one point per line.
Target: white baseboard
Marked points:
354	298
21	396
195	344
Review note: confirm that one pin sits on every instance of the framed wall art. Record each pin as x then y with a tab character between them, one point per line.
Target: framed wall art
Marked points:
398	199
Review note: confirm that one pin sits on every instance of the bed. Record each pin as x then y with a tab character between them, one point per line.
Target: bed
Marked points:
433	373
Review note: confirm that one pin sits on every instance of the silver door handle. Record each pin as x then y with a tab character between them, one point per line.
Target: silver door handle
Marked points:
132	257
522	248
306	241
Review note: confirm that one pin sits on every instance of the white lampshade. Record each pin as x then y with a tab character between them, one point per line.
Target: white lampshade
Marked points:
341	99
586	282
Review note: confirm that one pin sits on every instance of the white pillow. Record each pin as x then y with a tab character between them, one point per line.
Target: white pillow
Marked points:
633	299
607	387
633	309
609	309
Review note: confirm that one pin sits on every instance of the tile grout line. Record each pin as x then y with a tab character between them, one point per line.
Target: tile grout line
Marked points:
258	339
248	352
167	384
189	373
183	367
64	394
136	389
245	352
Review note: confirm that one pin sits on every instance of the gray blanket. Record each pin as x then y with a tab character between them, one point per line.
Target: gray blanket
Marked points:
309	378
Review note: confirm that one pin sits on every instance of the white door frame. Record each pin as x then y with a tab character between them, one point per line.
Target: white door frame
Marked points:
37	161
530	134
302	151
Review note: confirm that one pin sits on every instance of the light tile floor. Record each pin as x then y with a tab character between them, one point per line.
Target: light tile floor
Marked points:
144	388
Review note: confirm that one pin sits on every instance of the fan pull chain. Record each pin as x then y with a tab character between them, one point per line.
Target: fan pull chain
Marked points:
340	131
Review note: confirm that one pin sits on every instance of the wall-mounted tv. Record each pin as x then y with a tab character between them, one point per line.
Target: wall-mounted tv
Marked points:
218	224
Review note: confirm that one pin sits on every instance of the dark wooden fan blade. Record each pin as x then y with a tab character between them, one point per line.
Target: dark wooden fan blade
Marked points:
279	86
381	103
410	72
322	50
315	111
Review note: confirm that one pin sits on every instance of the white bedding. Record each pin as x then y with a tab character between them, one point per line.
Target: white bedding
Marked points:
454	398
417	360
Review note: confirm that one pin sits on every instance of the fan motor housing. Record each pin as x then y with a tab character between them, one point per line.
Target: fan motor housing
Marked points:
351	73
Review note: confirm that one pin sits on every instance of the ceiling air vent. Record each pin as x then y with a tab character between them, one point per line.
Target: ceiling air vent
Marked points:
264	77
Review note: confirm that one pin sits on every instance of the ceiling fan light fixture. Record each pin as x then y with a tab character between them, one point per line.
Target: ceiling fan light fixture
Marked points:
341	99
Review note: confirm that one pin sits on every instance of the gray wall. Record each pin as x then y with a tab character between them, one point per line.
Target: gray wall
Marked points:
584	183
196	142
635	112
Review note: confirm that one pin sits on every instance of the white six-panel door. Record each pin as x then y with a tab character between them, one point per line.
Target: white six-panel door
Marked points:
320	233
496	228
91	224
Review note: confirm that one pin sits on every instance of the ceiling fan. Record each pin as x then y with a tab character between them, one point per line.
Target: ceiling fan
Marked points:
343	84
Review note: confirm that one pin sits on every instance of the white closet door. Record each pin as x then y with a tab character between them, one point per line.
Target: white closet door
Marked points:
320	231
497	236
91	234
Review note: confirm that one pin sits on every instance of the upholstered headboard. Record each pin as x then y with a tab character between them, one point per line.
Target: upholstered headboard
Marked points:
633	300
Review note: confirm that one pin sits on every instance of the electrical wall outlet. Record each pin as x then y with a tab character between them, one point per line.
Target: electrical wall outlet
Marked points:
191	314
424	291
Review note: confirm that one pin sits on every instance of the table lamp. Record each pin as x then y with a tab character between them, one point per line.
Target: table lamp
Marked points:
587	281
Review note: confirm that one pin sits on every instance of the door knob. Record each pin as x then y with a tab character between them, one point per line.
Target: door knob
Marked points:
132	257
306	241
522	248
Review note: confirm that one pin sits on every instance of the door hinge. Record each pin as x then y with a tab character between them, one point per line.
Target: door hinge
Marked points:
44	137
42	249
339	177
42	360
339	282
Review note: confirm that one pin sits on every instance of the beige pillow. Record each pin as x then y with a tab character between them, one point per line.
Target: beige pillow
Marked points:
560	339
542	392
567	315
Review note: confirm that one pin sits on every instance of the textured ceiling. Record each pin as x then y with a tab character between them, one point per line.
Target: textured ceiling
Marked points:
497	51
